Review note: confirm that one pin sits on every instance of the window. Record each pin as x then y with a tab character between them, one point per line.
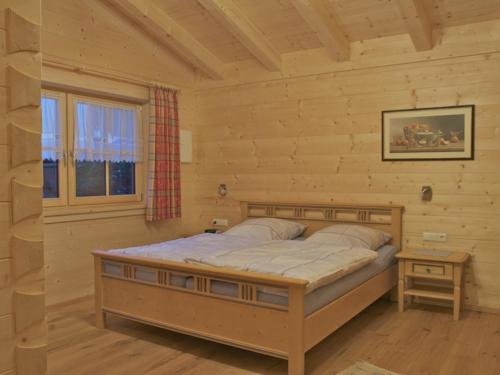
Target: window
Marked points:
92	150
53	148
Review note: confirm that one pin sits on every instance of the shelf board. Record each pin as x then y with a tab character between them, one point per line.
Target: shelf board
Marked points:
430	292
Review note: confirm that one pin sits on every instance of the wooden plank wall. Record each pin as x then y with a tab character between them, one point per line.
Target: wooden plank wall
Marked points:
313	134
23	336
90	34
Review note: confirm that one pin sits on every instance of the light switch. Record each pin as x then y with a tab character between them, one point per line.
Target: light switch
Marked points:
220	222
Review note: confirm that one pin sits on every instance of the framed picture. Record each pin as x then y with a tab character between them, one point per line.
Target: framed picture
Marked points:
444	133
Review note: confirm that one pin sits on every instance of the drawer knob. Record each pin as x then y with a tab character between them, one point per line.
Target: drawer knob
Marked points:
428	270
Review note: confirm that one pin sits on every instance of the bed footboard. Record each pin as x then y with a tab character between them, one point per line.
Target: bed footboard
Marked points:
184	298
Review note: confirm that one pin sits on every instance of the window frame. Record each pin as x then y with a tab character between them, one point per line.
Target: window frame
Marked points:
67	168
62	200
73	199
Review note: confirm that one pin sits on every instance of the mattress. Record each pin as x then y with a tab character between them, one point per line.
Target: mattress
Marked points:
317	298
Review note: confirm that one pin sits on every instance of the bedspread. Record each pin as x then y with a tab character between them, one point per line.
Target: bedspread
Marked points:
318	264
195	246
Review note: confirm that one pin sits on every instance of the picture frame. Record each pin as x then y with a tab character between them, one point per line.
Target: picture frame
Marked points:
436	133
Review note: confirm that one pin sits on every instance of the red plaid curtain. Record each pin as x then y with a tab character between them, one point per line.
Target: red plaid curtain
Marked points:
164	169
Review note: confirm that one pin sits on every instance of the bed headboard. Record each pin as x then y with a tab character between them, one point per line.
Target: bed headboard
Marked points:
383	217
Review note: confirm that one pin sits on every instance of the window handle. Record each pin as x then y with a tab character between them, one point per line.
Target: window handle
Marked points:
65	160
72	156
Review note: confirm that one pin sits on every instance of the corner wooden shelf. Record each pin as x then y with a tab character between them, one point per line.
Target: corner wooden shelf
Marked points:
446	268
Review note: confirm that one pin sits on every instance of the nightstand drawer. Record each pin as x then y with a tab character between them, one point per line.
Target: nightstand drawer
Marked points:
429	269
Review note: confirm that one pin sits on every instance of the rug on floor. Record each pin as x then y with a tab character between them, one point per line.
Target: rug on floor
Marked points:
365	368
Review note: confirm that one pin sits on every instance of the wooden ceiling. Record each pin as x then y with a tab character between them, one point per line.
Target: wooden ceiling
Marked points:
209	34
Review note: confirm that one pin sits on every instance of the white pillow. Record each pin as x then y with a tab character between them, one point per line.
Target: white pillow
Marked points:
267	229
351	235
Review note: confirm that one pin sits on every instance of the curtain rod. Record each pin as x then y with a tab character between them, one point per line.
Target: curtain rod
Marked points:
126	78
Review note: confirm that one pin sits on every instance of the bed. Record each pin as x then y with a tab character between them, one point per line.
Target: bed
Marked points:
241	308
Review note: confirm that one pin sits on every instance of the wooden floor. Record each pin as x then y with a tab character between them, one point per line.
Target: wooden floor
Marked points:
419	341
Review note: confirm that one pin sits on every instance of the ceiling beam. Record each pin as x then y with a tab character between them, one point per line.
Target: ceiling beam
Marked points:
162	27
320	20
417	22
228	14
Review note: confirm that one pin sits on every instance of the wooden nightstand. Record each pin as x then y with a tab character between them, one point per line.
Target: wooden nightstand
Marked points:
445	267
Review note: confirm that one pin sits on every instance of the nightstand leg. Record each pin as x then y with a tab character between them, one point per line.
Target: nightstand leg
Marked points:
456	304
462	295
457	290
401	286
409	300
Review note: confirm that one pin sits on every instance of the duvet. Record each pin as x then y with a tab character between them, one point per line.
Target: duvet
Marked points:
318	264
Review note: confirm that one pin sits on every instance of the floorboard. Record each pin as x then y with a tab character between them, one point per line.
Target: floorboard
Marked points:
420	341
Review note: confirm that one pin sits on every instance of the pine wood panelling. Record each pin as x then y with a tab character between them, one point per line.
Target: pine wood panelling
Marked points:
362	19
22	298
418	23
206	29
467	40
24	90
29	307
288	32
6	327
459	12
74	31
28	145
245	31
22	35
27	255
4	228
167	31
319	19
66	80
5	273
26	200
282	24
68	246
317	138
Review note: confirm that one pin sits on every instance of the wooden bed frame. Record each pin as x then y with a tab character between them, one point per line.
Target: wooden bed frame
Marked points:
140	289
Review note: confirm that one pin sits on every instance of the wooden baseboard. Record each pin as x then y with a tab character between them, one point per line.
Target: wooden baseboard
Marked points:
469	307
58	305
490	310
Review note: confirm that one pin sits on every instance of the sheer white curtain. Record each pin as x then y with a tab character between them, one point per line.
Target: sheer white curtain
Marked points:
52	147
106	133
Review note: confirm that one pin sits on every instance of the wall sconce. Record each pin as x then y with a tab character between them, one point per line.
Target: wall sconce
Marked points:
426	193
222	190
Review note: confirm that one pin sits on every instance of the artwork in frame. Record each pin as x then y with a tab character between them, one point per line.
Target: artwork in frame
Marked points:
443	133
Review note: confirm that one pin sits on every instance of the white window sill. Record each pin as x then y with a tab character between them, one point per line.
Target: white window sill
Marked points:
65	214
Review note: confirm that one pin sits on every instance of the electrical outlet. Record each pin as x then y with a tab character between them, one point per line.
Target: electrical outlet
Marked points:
220	222
436	237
